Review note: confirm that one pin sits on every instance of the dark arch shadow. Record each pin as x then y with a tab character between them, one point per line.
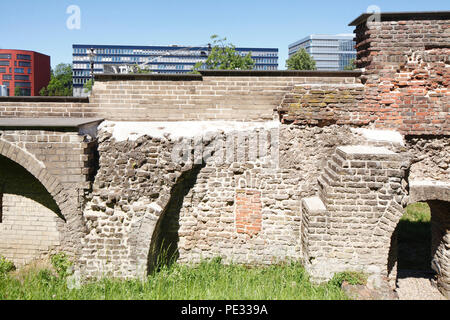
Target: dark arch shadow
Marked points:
12	178
414	239
164	243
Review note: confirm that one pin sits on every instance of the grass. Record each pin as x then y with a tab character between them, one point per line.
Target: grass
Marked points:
209	280
414	238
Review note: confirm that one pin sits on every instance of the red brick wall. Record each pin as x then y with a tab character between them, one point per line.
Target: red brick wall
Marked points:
406	75
248	212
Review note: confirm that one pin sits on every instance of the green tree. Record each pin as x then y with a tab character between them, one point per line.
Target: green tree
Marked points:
61	83
351	65
137	69
301	60
88	86
17	92
223	56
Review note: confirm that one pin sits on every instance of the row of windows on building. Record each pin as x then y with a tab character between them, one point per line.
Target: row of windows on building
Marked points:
158	52
16	70
80	80
158	59
155	67
20	64
18	84
136	59
18	56
16	77
324	46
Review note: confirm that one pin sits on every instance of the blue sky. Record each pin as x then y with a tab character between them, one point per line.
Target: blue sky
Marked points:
41	25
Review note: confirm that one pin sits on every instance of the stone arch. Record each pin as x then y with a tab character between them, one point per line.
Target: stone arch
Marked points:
437	195
68	206
146	233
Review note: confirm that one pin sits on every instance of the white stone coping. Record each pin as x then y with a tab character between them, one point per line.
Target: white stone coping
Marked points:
429	183
132	130
365	150
381	135
314	204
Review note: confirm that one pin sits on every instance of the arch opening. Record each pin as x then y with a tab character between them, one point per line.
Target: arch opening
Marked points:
31	222
419	247
164	243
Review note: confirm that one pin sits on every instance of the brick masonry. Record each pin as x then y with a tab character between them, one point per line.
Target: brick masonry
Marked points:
62	164
406	74
248	212
324	203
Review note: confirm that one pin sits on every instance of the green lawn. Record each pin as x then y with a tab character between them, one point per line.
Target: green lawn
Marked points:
209	280
414	238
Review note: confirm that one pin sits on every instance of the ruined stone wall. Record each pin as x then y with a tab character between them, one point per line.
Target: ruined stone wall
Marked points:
440	242
430	158
406	74
243	210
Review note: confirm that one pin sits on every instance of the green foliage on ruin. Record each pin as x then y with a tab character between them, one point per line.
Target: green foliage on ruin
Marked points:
61	82
223	56
301	60
6	266
61	263
352	277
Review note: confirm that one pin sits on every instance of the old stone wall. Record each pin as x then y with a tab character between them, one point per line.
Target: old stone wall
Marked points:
10	108
240	208
430	158
247	98
323	104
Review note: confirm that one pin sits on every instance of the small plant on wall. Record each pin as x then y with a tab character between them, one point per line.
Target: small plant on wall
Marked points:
62	264
6	266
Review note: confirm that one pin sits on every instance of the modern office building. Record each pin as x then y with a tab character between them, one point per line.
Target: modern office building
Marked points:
331	52
27	70
160	59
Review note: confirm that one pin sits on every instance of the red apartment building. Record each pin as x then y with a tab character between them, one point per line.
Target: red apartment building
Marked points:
27	70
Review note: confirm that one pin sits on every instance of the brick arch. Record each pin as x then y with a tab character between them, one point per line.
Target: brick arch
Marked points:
74	226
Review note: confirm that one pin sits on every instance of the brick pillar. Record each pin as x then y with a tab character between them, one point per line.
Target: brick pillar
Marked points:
362	195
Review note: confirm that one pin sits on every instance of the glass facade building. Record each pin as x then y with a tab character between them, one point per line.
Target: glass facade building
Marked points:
331	52
159	59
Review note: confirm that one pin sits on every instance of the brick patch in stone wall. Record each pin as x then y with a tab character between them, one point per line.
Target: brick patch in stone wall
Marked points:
248	212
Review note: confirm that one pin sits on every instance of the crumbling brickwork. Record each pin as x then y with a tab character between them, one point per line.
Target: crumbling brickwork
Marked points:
406	74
